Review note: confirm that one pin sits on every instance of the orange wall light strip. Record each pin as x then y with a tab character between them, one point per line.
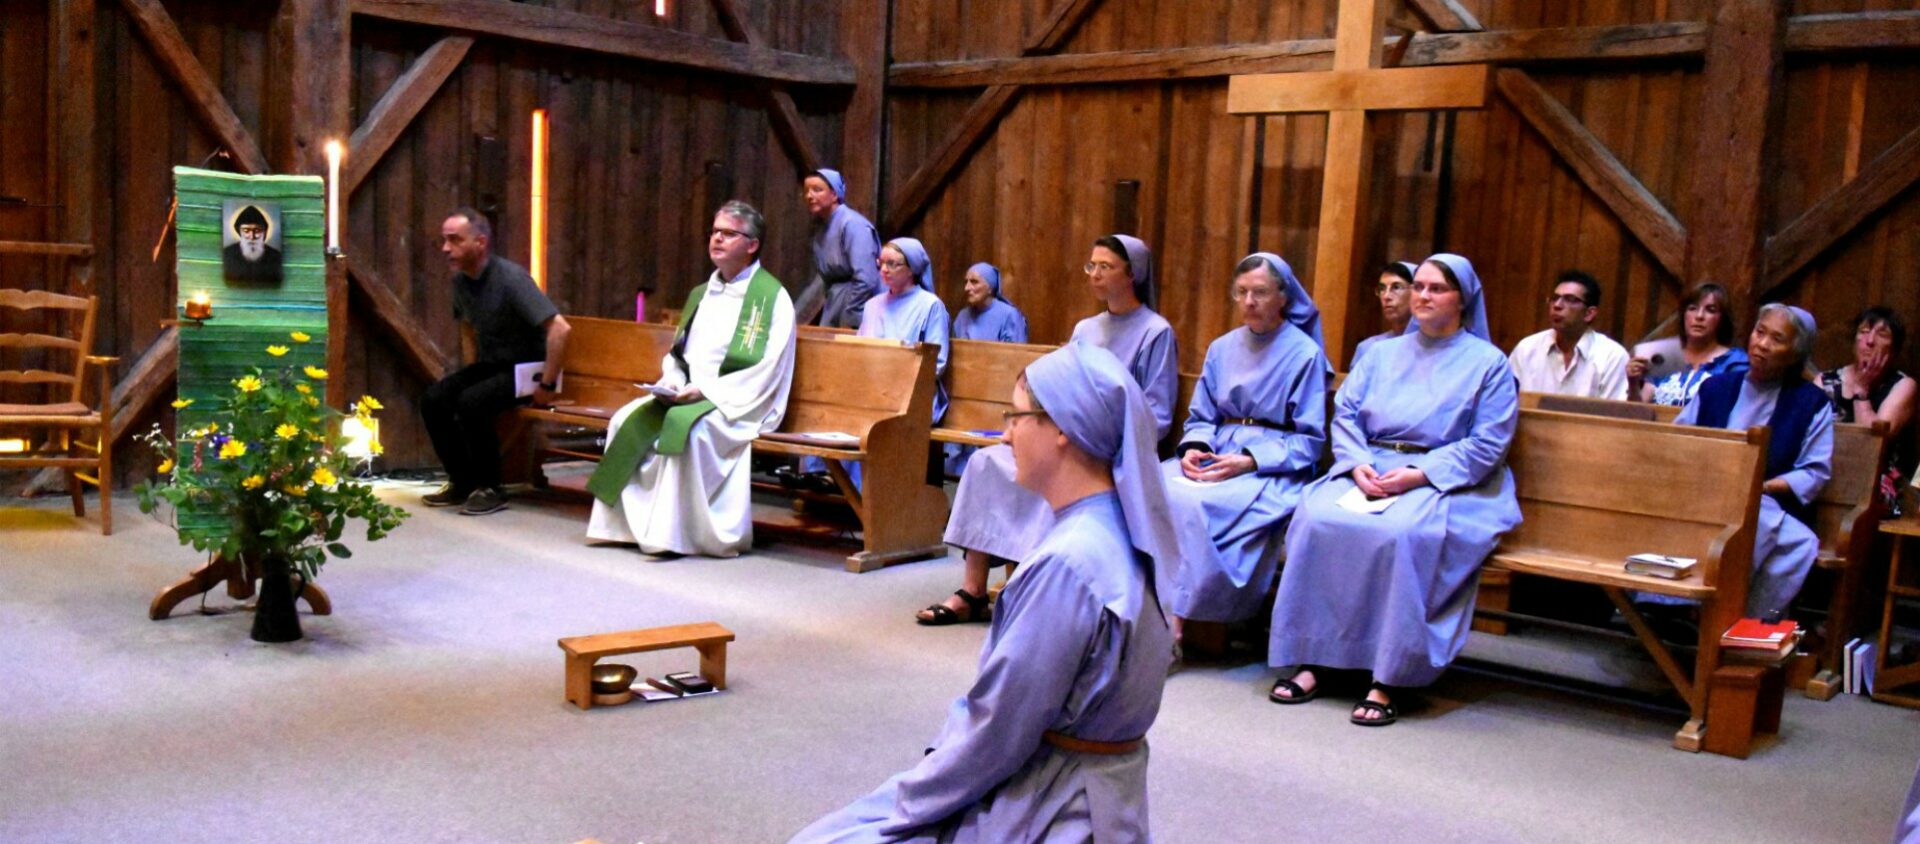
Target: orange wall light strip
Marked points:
537	263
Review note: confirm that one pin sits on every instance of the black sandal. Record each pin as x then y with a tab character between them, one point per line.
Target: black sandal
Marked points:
944	615
1295	694
1387	714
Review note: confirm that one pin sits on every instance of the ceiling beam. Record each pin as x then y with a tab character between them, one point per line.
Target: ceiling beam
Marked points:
1820	227
402	102
177	61
781	111
542	25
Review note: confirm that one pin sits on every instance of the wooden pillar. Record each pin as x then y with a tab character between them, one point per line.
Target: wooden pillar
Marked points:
1739	98
1347	175
864	37
72	65
311	41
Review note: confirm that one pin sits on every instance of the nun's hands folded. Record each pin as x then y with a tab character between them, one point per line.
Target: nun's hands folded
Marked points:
1213	468
1402	479
1368	481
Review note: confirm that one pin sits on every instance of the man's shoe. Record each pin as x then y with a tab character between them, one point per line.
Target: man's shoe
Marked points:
485	500
447	495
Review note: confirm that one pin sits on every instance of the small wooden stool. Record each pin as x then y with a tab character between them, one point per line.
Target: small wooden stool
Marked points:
709	638
1743	700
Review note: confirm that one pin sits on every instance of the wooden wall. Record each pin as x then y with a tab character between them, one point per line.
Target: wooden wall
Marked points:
1041	186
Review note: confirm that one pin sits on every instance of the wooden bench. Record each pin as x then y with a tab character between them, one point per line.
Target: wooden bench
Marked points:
1591	494
582	652
605	358
980	378
1845	517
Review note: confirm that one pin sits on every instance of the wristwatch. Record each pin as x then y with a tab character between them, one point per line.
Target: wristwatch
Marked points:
548	385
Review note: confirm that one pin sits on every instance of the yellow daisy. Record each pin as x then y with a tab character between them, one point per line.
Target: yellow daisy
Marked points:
164	467
253	482
182	404
248	384
277	351
286	431
371	403
300	337
233	448
304	389
295	491
324	477
316	373
313	401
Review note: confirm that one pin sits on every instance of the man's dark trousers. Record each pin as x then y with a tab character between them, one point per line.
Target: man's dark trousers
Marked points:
459	411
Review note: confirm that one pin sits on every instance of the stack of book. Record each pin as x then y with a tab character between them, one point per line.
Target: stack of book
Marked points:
1856	676
1661	565
1757	638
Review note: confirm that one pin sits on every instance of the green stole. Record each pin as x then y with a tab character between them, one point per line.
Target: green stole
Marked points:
664	428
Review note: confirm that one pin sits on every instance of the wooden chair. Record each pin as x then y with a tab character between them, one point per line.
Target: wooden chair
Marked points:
61	412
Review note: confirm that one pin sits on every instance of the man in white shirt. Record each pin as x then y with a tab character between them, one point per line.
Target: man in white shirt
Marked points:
1571	358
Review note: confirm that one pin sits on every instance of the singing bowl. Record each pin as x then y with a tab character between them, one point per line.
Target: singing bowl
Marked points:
610	678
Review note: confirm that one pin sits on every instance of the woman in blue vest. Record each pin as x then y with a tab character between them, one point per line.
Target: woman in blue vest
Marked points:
1774	392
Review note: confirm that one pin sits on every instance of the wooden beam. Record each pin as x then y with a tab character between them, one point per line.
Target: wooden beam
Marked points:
1445	16
911	201
396	320
177	61
73	58
396	109
1742	85
781	111
1464	86
317	101
1842	33
1630	42
863	150
146	382
1820	227
1643	214
541	25
25	247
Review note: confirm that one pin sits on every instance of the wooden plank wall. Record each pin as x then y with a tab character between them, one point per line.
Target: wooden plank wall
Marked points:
641	154
1040	188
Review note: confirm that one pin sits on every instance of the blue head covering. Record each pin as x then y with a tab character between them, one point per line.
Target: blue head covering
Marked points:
1086	391
834	180
1473	306
991	275
1140	260
1301	311
917	260
1407	266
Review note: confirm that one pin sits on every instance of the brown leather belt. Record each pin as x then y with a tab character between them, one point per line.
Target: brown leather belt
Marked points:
1100	748
1402	448
1260	423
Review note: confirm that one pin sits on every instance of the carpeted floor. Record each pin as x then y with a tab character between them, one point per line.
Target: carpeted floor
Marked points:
428	708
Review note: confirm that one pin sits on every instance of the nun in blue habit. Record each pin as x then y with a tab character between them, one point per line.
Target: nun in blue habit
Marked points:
992	516
907	311
1396	279
1424	419
988	315
1049	743
845	248
1255	430
1773	392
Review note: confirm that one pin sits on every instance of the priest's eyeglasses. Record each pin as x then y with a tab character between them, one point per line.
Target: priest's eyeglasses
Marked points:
725	234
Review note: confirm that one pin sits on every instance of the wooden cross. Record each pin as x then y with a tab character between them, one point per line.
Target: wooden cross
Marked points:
1356	85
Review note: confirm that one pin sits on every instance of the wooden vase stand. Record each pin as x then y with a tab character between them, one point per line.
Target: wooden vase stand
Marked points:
239	578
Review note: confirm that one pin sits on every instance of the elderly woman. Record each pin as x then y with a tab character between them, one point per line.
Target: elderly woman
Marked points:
845	244
1772	392
1384	553
1868	390
992	516
1706	340
1049	743
1254	434
1394	290
988	315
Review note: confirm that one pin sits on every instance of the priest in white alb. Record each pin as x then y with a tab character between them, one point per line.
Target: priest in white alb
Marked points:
674	476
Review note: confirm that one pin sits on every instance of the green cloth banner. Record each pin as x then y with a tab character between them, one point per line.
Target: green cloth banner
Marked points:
665	428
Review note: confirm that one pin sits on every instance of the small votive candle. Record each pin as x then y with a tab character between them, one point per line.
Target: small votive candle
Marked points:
200	306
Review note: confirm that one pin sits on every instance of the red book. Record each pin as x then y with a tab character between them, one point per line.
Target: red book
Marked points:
1754	633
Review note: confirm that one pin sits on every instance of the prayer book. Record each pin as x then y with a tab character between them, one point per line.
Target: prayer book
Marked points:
526	378
1752	633
1661	565
1358	502
829	439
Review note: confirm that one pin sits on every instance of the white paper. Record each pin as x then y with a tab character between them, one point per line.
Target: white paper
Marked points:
1358	502
661	391
526	378
829	437
1682	563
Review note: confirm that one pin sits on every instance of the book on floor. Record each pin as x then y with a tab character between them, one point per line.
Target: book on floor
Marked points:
1661	565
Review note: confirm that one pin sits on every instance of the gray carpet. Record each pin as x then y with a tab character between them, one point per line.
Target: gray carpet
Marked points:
429	708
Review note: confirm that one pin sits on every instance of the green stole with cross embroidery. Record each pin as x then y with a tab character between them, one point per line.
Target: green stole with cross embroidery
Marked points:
665	428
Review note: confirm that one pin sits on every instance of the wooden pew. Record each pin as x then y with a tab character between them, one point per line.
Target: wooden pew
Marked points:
1589	502
980	376
889	407
1845	517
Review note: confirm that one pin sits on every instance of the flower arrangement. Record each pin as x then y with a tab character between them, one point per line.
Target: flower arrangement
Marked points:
274	469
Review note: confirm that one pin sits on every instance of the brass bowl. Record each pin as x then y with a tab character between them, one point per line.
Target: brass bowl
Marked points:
612	678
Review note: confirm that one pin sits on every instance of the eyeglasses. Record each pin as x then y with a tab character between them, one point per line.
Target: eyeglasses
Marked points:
890	264
1007	416
725	234
1395	288
1573	301
1434	289
1102	266
1254	294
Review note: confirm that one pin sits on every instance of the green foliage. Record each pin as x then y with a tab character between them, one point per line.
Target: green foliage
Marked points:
274	462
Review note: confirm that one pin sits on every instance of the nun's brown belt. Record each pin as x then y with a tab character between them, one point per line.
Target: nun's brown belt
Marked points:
1099	748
